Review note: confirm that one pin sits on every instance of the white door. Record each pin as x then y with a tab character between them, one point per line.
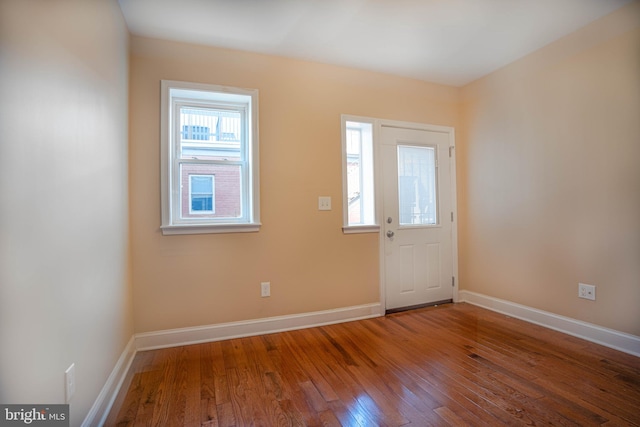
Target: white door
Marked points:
418	214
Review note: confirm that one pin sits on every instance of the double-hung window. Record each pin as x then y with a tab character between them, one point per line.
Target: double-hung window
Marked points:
210	179
358	175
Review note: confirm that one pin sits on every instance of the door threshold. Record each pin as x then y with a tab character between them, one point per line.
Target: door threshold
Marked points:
414	307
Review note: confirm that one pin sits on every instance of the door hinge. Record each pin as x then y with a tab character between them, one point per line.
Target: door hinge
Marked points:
453	281
451	150
451	216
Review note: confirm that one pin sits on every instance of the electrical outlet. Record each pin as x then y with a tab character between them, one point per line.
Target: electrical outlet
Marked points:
70	382
587	291
265	289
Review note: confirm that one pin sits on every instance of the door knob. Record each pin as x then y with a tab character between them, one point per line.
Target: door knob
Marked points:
390	234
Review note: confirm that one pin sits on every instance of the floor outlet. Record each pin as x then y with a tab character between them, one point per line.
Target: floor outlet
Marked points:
70	382
587	291
265	289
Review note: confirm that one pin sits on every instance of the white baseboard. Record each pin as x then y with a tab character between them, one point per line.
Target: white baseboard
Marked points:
223	331
608	337
100	409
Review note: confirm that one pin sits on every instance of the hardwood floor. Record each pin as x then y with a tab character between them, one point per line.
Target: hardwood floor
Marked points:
454	364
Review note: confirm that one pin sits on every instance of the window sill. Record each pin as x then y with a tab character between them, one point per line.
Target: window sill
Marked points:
355	229
169	230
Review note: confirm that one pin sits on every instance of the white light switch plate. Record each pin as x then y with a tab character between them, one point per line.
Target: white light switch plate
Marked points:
324	203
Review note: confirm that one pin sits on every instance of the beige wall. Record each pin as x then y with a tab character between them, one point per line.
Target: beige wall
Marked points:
549	185
183	281
548	177
65	294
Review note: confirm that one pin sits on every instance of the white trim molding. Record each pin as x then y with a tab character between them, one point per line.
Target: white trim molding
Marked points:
268	325
607	337
100	410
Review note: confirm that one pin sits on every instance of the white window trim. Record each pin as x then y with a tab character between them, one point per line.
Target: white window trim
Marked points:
366	228
170	193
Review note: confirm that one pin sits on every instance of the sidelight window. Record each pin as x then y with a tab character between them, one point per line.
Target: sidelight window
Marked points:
358	175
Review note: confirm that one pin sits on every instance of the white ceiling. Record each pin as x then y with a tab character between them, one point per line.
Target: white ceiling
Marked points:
444	41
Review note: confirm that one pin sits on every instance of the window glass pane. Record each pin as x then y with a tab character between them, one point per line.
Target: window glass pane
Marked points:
358	146
417	185
202	184
210	133
201	203
210	191
201	196
354	175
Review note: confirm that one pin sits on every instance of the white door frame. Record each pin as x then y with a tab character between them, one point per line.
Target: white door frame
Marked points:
378	123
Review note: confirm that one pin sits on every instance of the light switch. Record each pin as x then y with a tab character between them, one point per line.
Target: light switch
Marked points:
324	203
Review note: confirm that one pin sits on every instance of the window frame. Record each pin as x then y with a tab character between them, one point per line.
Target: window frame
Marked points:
373	226
176	94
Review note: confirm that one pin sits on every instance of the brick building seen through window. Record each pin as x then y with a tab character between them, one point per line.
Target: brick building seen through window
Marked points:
210	190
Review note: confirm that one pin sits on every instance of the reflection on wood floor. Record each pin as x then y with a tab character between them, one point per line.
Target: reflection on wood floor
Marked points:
454	364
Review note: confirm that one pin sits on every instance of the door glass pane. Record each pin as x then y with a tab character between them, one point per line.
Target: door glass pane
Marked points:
417	196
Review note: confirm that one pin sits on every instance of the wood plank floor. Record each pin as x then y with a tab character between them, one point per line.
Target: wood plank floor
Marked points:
455	364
